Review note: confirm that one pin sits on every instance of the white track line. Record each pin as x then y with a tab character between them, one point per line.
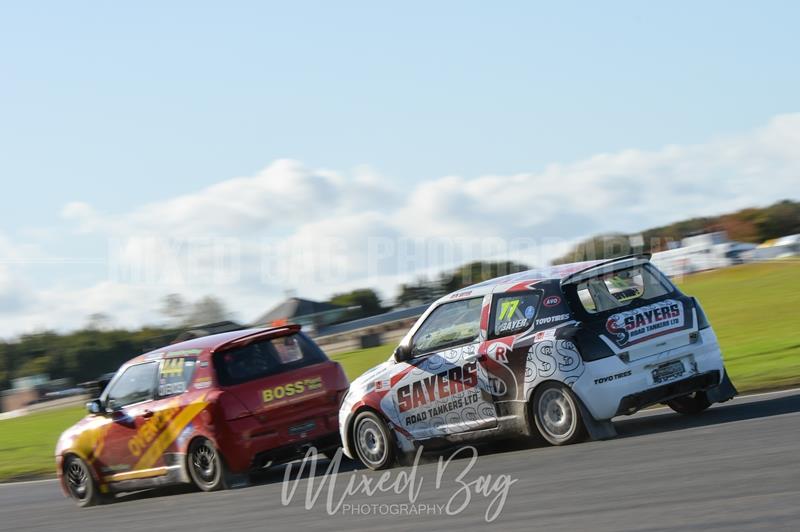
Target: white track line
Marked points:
771	393
24	482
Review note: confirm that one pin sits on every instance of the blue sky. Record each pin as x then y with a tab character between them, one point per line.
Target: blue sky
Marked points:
116	106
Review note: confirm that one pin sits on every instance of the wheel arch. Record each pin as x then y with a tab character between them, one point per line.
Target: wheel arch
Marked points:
597	429
71	453
351	425
532	390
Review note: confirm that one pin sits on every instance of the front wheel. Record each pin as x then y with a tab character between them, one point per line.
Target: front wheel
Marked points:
205	464
690	404
79	482
557	414
373	441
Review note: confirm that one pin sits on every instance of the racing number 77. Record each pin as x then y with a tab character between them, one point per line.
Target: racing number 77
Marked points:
508	308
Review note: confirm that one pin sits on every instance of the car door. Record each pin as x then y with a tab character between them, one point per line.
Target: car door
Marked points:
443	387
129	402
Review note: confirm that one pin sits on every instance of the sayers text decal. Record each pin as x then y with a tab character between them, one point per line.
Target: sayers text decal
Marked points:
642	323
437	387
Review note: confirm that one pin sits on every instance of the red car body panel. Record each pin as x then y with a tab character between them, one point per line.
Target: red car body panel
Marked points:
286	411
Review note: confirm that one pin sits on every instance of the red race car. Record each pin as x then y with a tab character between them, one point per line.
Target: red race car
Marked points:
204	411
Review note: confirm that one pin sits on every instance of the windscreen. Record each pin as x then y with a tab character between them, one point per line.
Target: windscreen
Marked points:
267	357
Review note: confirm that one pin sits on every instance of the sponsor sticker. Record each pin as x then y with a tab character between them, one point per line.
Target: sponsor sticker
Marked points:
460	294
512	325
291	389
202	382
541	336
438	387
184	352
551	301
552	319
646	322
498	351
614	377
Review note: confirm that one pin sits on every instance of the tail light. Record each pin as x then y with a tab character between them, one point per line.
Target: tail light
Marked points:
702	320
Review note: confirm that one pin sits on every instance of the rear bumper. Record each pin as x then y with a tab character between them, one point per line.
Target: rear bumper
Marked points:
248	444
610	387
660	394
287	453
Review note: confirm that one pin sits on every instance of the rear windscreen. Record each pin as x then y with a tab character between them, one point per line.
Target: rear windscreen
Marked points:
266	357
622	287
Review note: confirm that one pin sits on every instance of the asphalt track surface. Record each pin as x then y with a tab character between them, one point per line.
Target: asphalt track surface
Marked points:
736	467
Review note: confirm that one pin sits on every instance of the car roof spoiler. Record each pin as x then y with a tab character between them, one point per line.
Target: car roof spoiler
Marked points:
619	263
258	335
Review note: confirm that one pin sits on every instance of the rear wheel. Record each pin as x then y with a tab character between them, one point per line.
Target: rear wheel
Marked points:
557	415
206	467
79	482
373	441
690	404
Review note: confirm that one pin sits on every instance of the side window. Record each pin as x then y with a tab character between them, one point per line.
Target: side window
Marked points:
175	376
449	325
512	314
133	386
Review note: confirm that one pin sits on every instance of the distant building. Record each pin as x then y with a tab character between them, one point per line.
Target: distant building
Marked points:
778	248
701	252
312	315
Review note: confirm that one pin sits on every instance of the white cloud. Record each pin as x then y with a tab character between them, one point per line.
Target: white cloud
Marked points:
247	239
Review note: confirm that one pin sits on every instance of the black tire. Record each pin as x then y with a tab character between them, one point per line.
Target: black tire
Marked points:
373	441
80	483
690	404
557	414
206	466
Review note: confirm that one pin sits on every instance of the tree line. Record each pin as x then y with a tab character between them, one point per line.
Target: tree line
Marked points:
753	225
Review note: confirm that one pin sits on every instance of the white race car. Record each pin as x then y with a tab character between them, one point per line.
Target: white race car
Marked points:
557	352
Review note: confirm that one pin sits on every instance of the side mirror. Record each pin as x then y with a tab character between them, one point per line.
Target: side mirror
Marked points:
94	407
400	353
